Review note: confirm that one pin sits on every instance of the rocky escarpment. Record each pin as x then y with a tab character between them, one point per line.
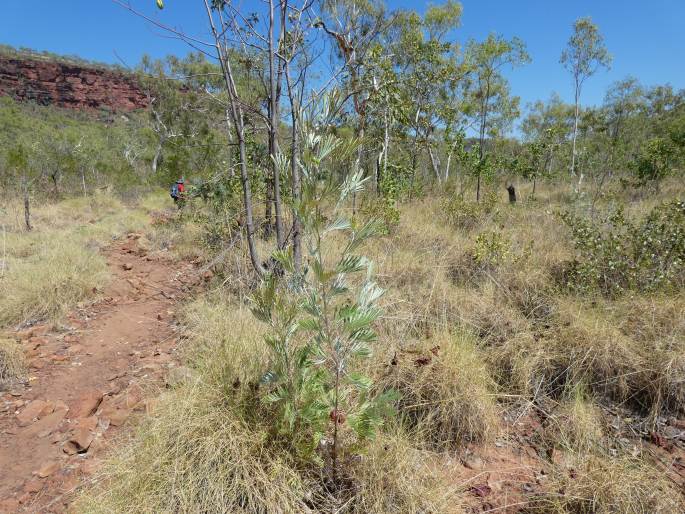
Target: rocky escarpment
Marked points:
69	85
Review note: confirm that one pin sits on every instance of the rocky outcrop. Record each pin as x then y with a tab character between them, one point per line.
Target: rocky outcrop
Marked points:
69	85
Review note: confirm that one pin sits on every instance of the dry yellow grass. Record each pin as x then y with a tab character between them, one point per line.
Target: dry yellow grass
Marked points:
59	273
47	271
208	447
12	365
447	394
396	477
510	333
576	425
621	485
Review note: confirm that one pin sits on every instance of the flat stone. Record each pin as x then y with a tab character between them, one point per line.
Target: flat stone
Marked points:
48	409
80	440
116	416
133	396
31	412
48	469
90	423
87	404
48	424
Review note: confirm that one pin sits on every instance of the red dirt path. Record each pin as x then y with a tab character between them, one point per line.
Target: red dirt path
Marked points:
87	378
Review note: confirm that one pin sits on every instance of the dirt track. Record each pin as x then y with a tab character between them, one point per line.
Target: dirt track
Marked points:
87	378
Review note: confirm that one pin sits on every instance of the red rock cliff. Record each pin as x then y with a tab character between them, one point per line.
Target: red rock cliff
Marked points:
69	85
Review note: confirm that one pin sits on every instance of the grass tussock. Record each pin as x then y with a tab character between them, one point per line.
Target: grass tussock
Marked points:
12	364
210	447
197	455
58	274
580	347
230	334
576	425
447	393
602	486
47	271
396	477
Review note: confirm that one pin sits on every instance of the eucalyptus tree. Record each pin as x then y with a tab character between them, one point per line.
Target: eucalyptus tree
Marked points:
495	109
17	162
181	115
222	24
353	26
432	75
584	54
295	53
549	123
385	107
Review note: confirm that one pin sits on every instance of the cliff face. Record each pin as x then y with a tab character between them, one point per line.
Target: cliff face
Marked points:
69	85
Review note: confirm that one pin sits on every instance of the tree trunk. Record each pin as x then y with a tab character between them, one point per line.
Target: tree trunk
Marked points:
239	127
386	145
27	206
273	131
83	181
55	182
358	163
435	164
575	129
413	167
295	172
268	224
155	160
481	144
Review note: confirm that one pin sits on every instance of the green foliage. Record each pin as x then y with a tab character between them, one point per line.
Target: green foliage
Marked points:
386	211
656	161
61	150
320	320
215	205
463	214
585	50
621	255
491	249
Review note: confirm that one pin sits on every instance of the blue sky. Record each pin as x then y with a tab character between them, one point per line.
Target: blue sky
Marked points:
646	38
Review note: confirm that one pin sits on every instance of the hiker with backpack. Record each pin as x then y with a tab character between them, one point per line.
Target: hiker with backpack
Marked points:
177	192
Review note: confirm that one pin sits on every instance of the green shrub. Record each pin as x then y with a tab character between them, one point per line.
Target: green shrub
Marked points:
491	249
620	254
655	161
385	210
468	215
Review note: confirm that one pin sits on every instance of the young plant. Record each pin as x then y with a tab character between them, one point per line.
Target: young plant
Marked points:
321	320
